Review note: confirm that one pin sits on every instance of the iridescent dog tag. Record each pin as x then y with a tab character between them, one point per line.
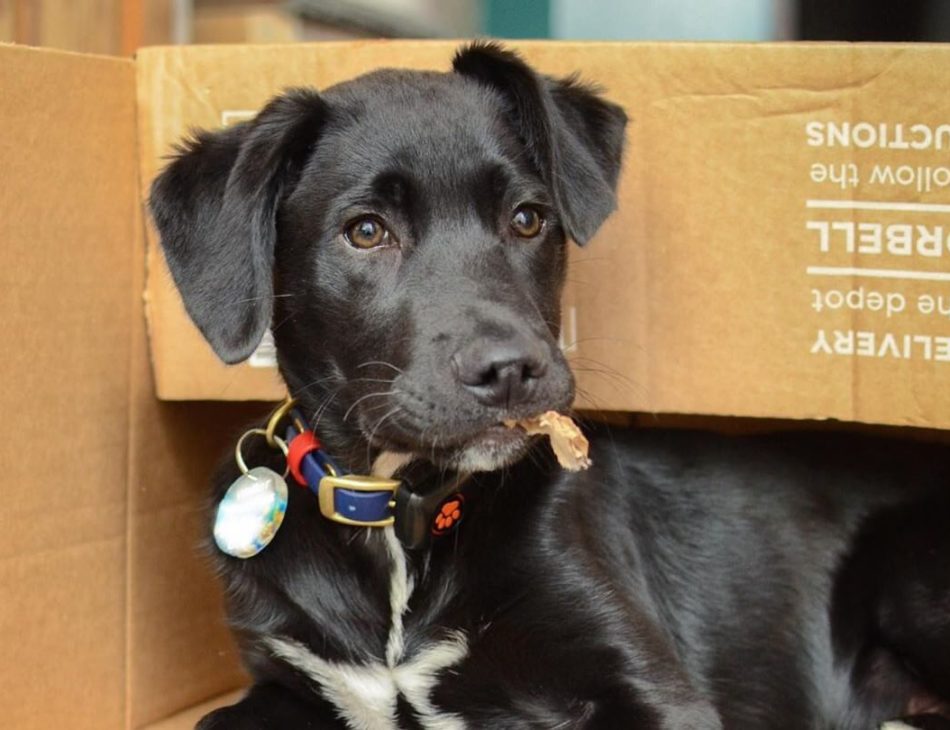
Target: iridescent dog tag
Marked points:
250	512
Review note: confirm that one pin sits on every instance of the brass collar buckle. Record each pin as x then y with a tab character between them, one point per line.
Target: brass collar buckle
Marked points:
327	493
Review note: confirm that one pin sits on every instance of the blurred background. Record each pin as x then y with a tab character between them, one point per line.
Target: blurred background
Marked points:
121	26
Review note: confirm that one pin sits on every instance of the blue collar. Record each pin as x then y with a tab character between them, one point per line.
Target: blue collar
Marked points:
430	508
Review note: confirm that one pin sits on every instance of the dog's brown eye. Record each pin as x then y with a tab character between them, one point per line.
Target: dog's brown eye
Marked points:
367	232
527	222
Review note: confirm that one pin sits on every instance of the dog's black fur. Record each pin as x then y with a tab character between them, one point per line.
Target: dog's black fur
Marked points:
685	581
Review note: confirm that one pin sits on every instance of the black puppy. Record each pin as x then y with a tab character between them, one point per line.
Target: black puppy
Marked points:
405	234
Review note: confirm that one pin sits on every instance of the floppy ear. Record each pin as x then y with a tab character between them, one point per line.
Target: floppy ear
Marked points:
215	207
574	137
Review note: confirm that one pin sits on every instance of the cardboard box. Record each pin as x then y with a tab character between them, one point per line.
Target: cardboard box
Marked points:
109	617
697	295
781	247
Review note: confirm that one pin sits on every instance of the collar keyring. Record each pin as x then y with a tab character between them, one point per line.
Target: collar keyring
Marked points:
279	444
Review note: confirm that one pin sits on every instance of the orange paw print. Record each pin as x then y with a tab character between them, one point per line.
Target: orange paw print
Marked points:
449	515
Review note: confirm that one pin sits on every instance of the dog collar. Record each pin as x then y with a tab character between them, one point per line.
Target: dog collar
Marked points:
252	510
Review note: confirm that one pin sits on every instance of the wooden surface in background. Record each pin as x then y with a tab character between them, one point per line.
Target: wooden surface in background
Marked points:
111	27
7	21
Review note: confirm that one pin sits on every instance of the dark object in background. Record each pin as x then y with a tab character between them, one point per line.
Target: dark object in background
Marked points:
874	20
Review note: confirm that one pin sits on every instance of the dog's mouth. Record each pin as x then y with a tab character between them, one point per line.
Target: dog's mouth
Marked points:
495	447
486	449
451	433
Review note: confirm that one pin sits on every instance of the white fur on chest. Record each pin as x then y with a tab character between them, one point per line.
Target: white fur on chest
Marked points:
365	695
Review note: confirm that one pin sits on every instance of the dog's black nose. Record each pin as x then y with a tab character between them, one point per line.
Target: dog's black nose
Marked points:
500	372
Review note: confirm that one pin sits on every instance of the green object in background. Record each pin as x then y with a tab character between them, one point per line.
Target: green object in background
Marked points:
517	18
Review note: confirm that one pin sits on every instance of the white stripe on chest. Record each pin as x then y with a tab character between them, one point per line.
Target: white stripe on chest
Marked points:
365	695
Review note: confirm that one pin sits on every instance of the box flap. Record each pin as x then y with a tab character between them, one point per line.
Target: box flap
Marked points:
67	205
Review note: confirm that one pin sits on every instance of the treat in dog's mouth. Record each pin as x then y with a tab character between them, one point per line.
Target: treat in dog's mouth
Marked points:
570	446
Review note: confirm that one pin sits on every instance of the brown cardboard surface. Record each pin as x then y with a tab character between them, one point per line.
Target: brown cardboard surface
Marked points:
109	618
698	295
181	651
67	156
722	300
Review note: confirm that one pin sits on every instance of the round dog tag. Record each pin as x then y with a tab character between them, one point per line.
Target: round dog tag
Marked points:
250	512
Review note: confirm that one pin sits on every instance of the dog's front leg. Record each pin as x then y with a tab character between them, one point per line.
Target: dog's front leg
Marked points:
272	707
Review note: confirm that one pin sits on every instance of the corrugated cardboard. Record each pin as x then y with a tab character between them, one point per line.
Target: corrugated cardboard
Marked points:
109	618
67	156
695	298
726	283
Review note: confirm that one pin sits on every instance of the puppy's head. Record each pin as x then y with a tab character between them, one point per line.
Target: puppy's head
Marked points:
404	234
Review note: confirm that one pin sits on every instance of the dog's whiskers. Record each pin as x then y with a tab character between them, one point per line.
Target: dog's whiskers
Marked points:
321	409
592	403
365	397
613	376
314	383
369	363
265	296
372	434
625	341
374	380
285	320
